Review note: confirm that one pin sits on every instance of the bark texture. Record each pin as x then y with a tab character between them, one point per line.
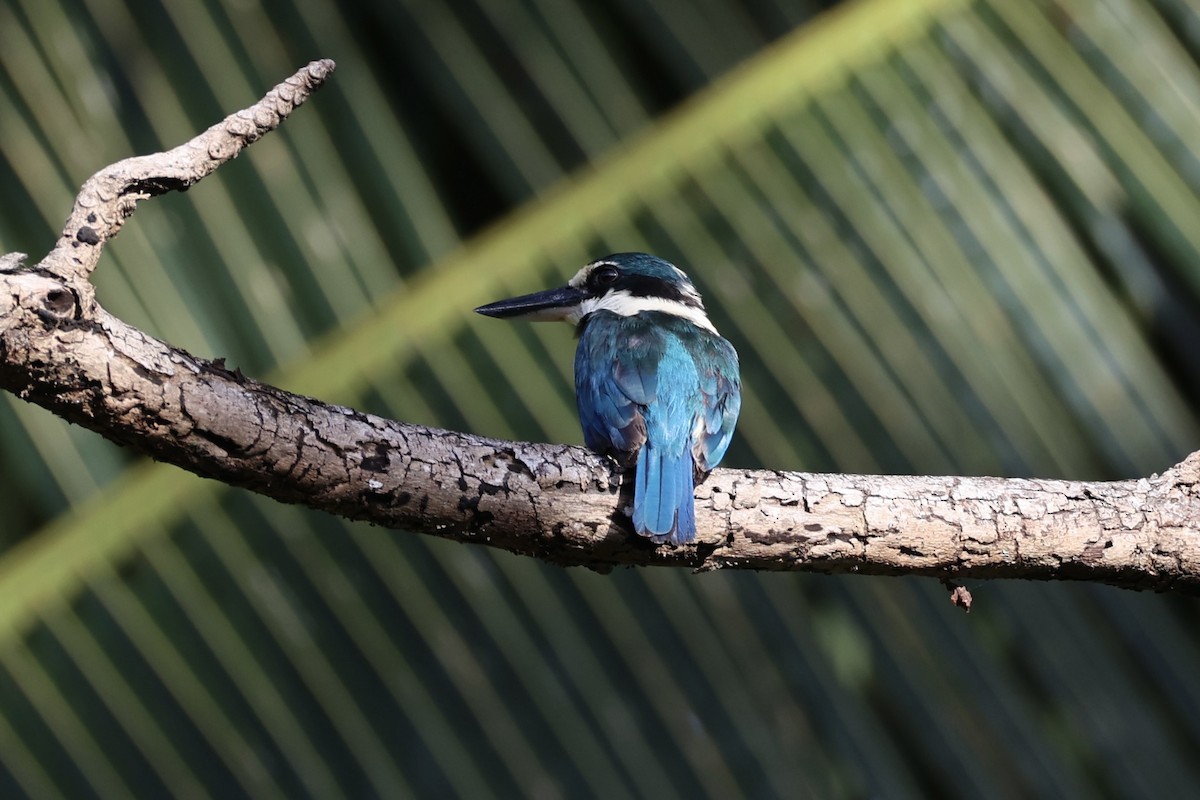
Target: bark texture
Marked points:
61	350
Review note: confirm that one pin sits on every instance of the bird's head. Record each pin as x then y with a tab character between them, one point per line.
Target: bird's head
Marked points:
623	283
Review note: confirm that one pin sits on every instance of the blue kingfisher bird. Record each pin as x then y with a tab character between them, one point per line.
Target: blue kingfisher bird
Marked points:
657	386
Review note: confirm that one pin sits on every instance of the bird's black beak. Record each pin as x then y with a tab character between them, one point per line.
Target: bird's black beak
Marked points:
552	304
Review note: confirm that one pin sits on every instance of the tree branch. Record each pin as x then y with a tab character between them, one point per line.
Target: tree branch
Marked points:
61	350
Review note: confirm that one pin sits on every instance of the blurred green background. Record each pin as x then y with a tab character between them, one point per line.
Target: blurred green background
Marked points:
946	237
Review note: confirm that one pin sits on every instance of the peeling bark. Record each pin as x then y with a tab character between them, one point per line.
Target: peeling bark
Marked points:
61	350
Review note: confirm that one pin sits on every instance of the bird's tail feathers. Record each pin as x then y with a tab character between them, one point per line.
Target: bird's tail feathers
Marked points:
663	503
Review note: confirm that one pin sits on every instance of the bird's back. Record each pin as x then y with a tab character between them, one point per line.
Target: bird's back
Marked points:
658	389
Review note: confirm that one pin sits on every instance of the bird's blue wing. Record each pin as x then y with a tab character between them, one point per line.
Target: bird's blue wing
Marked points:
615	379
721	393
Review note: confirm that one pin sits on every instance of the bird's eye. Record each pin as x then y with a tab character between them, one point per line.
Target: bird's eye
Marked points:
604	276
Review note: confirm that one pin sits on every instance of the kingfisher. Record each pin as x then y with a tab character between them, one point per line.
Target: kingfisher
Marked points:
658	388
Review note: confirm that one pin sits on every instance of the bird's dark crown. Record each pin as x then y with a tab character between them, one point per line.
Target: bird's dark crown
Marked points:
638	275
625	284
